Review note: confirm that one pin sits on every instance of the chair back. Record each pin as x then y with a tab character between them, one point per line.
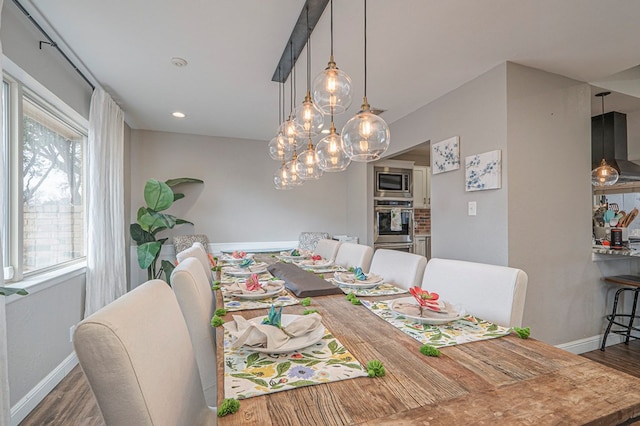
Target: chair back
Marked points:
183	242
309	240
197	303
138	359
198	251
490	292
328	249
353	255
400	268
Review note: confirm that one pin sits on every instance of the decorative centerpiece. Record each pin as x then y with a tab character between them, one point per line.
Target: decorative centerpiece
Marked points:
425	299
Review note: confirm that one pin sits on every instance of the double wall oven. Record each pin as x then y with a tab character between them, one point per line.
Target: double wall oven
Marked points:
393	209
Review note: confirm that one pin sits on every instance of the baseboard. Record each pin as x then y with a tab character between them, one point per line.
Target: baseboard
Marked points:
590	343
23	407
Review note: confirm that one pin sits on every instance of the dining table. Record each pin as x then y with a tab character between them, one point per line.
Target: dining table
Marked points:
505	380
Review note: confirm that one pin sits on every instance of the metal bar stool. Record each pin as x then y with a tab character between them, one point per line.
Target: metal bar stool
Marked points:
633	285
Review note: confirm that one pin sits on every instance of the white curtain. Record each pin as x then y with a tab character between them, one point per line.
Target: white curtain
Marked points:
106	258
5	408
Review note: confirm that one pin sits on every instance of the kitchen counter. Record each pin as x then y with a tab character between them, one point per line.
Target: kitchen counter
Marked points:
600	253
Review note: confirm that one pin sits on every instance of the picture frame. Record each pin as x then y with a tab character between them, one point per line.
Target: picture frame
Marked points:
445	155
483	171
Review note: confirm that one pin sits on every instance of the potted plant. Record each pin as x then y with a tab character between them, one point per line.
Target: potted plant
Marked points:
158	197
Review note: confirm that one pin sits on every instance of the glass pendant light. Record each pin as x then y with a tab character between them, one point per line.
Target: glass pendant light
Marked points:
308	168
332	89
604	175
365	136
331	155
293	175
279	146
308	116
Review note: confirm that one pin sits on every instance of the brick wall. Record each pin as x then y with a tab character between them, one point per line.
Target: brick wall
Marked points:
422	218
52	234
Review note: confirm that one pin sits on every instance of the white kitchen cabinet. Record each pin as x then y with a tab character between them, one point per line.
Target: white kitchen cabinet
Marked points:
421	187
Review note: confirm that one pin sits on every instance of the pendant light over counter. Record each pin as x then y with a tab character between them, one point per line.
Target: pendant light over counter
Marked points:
604	175
366	136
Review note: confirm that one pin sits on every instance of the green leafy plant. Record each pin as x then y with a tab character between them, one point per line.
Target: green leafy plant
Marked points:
158	197
216	321
375	368
228	406
522	333
306	301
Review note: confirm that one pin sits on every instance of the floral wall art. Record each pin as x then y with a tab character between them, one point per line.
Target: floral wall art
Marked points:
483	171
445	155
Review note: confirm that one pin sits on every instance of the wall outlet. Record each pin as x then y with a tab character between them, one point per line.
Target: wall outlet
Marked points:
473	208
71	330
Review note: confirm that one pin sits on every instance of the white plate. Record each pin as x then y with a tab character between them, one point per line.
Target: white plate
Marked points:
227	258
293	344
257	296
324	263
356	284
430	317
256	268
290	258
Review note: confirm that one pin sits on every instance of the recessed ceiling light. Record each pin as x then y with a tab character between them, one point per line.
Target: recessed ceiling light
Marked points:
179	62
178	114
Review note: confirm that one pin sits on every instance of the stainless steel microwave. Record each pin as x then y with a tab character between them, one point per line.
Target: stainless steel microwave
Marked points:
396	183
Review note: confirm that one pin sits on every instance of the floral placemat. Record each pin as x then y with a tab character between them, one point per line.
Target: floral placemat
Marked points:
466	329
248	373
237	304
379	290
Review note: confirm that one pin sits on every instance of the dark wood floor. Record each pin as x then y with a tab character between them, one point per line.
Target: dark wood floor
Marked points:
72	403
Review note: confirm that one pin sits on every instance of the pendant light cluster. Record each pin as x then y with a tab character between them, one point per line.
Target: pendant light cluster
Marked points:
364	138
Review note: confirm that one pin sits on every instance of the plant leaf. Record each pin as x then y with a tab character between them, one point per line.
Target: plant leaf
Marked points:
167	268
282	368
177	196
177	181
6	291
139	235
182	222
158	195
162	220
147	253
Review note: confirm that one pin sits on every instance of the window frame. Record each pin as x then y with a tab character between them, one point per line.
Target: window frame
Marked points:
21	86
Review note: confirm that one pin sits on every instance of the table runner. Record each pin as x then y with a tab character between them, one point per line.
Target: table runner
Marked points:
379	290
465	330
248	373
236	304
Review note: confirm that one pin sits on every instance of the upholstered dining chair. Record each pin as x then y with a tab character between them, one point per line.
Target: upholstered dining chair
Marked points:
400	268
352	255
491	292
193	291
309	240
328	249
198	251
139	362
182	242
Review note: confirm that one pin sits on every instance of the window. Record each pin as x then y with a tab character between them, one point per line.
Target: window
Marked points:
44	154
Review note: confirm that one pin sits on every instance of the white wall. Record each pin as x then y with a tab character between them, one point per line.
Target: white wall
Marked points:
237	202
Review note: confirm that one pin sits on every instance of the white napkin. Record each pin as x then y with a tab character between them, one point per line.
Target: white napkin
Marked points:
241	287
268	336
347	277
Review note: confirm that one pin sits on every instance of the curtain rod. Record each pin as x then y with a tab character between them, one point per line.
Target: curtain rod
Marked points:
52	43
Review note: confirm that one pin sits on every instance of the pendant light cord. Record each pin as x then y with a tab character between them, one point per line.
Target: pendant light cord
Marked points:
365	48
308	53
603	95
331	3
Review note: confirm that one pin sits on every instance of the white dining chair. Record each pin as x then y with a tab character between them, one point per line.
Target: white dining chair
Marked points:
197	304
400	268
353	255
198	251
139	362
490	292
326	248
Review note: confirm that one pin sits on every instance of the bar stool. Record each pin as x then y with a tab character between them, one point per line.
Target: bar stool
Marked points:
632	283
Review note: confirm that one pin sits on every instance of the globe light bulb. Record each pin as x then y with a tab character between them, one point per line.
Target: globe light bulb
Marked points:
331	156
365	136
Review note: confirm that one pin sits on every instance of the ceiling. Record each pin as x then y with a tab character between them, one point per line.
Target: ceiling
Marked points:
418	50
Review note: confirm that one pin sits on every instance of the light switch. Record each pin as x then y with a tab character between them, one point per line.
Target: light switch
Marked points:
472	208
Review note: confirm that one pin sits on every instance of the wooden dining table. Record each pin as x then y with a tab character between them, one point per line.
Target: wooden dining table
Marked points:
506	380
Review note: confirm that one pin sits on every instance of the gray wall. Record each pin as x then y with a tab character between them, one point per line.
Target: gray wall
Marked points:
237	202
476	112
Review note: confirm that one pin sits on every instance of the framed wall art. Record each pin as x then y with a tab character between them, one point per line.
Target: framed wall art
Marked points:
483	171
445	155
